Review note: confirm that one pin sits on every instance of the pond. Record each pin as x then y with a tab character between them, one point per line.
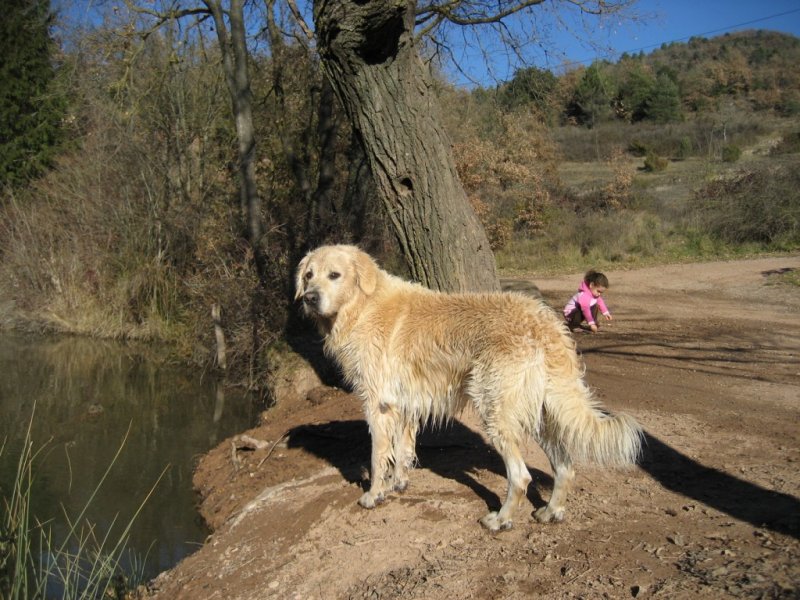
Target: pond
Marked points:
81	396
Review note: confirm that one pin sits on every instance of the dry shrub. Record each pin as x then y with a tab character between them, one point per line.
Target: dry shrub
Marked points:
617	193
88	248
788	144
508	176
700	136
654	163
573	240
498	230
139	231
757	206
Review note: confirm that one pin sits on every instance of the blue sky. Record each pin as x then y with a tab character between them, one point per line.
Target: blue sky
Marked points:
574	40
566	38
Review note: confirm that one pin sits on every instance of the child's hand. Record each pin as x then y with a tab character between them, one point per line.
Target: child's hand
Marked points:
594	328
609	317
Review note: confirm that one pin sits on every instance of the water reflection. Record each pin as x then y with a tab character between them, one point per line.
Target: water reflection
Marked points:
87	394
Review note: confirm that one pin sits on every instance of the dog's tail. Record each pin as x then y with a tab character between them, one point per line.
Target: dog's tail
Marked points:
588	432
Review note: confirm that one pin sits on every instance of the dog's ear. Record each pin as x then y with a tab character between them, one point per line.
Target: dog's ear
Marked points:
366	272
298	282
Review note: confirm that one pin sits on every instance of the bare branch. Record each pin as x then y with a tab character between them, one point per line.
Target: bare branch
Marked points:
506	31
167	15
475	12
300	20
436	20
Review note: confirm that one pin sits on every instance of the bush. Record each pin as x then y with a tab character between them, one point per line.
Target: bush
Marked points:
753	206
685	148
507	174
653	163
731	153
572	240
637	148
789	107
698	137
789	144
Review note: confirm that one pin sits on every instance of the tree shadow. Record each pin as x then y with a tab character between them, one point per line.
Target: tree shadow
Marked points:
457	452
740	499
522	286
727	358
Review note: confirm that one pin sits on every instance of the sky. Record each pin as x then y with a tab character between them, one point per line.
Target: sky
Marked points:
577	41
569	40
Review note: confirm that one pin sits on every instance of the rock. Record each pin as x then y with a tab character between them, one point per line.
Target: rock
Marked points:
676	539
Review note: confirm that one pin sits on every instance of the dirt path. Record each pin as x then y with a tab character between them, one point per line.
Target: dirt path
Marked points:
705	356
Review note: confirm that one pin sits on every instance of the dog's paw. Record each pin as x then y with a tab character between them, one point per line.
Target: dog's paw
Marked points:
370	500
546	514
493	523
400	486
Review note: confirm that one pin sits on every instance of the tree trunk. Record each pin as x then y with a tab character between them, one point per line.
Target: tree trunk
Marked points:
234	62
368	53
323	214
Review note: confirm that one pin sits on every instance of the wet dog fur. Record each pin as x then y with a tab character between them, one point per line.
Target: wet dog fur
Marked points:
414	355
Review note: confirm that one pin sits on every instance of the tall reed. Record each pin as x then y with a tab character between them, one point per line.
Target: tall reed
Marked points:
85	564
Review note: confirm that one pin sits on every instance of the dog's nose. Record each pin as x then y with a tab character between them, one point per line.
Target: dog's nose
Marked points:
311	298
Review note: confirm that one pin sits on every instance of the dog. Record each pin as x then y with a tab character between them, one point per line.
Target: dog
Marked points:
414	355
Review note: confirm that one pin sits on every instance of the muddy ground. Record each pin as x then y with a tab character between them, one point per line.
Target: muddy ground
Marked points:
705	356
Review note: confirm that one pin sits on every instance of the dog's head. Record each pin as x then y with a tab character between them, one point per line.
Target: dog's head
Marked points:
331	277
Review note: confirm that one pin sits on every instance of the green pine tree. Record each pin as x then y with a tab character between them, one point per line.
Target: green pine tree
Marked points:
593	97
31	110
664	103
635	91
529	86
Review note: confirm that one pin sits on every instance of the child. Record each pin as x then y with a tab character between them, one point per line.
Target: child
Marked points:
584	305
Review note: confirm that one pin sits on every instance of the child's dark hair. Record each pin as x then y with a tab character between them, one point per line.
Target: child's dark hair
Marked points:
596	278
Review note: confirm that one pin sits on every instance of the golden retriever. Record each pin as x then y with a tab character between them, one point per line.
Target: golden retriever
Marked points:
412	355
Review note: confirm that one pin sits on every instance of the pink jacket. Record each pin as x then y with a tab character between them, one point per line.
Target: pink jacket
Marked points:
585	301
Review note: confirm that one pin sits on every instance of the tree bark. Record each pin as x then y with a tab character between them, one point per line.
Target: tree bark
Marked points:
368	53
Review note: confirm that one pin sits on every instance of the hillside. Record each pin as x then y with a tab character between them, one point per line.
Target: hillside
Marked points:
758	66
757	70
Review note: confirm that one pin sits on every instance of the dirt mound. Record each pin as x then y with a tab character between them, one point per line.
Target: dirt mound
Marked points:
704	356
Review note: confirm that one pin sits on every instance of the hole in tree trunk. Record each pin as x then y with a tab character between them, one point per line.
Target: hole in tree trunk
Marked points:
406	186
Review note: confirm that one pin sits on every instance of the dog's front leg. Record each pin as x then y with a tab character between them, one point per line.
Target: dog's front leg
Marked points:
382	424
404	453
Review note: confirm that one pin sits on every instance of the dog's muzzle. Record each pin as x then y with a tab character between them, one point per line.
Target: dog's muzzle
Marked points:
311	301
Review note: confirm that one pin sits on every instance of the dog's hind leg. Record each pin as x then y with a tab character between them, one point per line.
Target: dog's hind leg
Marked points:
382	427
405	442
518	480
563	474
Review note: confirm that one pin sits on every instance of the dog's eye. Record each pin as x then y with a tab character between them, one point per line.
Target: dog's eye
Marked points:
334	275
309	275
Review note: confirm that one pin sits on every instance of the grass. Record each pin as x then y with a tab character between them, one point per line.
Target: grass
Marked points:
788	277
703	137
696	209
15	528
84	564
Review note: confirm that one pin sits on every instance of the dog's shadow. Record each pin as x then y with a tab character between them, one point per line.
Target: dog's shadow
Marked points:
452	451
459	453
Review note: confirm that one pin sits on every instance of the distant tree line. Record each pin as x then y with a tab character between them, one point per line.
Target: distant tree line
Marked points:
755	68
